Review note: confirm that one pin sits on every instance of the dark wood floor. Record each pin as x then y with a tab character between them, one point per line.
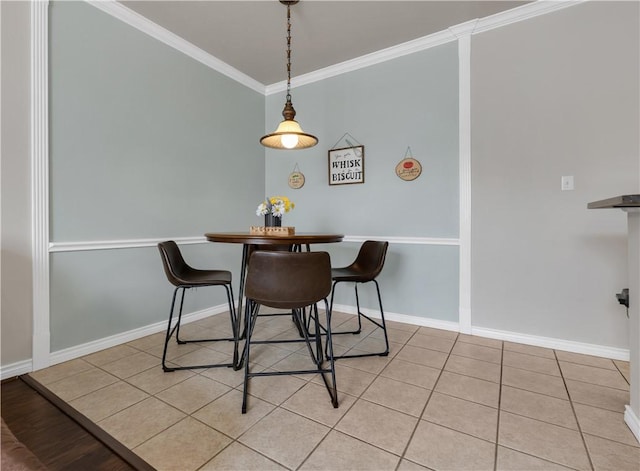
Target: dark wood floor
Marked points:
56	439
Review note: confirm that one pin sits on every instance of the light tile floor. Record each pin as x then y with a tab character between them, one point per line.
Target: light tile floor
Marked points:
439	401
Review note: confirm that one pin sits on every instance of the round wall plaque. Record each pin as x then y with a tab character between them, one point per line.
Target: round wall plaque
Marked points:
408	169
296	180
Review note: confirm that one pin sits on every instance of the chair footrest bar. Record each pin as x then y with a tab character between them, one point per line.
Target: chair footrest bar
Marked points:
360	355
281	373
227	339
262	342
196	367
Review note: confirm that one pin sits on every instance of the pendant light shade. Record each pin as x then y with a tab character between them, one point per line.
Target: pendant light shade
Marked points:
289	135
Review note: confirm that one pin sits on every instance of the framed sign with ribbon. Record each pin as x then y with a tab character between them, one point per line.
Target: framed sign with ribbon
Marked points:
346	164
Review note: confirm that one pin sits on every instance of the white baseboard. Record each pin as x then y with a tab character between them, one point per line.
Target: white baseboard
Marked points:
26	366
538	341
631	419
118	339
403	318
557	344
16	369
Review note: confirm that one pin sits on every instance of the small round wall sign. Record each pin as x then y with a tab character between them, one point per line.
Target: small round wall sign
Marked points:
408	169
296	180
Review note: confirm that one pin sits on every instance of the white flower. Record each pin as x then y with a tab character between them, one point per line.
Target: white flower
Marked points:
277	209
262	209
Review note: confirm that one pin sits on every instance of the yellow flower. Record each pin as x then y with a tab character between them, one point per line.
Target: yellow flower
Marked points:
288	204
276	205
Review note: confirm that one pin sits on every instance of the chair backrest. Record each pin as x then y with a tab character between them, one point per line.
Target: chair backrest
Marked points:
173	262
288	280
370	259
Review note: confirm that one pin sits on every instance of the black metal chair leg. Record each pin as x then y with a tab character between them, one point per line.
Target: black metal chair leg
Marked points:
250	323
180	342
382	324
169	332
333	391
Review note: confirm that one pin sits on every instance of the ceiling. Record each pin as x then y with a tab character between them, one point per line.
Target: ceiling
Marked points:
251	35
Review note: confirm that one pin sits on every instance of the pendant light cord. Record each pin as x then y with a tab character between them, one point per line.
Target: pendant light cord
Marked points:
288	53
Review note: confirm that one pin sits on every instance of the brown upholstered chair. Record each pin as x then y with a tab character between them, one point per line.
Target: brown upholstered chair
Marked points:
365	268
184	277
294	281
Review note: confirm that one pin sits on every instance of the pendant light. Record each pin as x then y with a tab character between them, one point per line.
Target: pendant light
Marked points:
289	135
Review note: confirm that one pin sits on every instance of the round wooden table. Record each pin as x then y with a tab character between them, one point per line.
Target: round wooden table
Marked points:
261	239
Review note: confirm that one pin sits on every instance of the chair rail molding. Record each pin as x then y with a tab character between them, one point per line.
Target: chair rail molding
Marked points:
80	246
40	181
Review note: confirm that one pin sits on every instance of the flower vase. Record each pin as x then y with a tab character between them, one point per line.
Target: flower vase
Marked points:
271	221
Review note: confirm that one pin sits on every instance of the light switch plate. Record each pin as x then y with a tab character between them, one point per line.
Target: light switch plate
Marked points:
566	183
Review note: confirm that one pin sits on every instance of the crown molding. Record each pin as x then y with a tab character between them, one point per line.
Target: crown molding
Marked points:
521	13
524	12
130	17
409	47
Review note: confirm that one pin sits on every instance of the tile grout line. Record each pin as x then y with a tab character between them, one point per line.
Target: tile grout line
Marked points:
575	415
495	456
621	373
404	452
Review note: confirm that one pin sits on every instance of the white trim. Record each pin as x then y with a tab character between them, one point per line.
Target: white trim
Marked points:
80	246
119	244
526	339
521	13
165	36
367	60
404	240
464	138
631	419
91	347
546	342
554	343
40	180
395	317
16	369
134	19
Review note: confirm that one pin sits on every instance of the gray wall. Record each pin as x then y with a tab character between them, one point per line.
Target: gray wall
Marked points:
412	102
555	95
146	143
16	285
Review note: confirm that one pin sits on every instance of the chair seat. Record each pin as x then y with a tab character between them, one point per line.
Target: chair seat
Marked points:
350	274
195	277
